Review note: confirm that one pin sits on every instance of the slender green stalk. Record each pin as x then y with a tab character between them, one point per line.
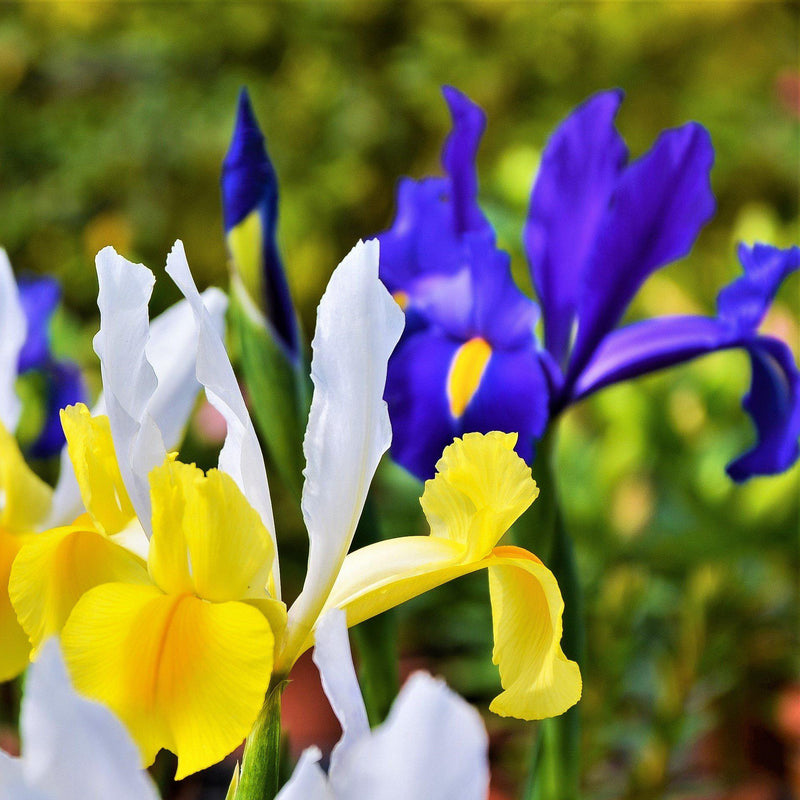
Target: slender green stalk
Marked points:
555	766
260	774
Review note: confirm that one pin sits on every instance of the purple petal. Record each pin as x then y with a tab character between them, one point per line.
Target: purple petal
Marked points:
580	168
418	407
774	405
39	298
422	241
648	346
513	396
458	159
774	398
64	387
745	301
433	214
661	202
249	184
481	299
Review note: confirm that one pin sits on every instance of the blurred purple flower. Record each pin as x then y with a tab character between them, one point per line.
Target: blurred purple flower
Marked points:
63	381
597	227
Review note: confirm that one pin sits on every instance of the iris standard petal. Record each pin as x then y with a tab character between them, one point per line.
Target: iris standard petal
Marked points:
458	159
358	326
250	209
480	489
173	337
207	539
416	393
129	380
661	202
182	673
94	461
54	569
580	167
13	328
39	298
422	242
744	302
73	748
774	398
481	299
240	456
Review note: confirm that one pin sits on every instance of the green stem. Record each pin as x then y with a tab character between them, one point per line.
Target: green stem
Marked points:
555	766
260	775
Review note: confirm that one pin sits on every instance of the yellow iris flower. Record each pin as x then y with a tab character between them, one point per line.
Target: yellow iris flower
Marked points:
182	641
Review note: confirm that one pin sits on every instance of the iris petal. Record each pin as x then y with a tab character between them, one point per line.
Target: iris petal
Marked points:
207	539
181	673
580	167
56	568
39	298
658	207
774	398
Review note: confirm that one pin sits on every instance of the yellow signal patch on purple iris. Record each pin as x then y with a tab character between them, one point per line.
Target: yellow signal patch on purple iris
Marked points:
465	374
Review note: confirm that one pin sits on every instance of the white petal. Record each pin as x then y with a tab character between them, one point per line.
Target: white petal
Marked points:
358	326
129	379
335	663
308	781
74	748
433	745
241	454
13	327
170	350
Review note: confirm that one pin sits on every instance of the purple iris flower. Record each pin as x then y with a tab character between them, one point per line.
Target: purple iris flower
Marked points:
250	212
63	381
597	227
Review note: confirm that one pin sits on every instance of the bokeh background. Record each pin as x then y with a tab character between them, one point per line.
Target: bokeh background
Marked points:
115	119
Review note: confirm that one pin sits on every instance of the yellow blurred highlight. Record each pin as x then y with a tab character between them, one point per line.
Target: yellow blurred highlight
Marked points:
686	412
110	227
632	506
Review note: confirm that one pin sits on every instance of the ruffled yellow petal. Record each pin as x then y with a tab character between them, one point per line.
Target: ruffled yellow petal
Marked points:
91	450
537	679
26	497
182	673
207	539
15	648
54	569
480	489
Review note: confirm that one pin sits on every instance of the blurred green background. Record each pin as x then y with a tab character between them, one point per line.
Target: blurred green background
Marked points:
115	120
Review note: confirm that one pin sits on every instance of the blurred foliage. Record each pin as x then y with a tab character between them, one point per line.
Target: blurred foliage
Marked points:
116	117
